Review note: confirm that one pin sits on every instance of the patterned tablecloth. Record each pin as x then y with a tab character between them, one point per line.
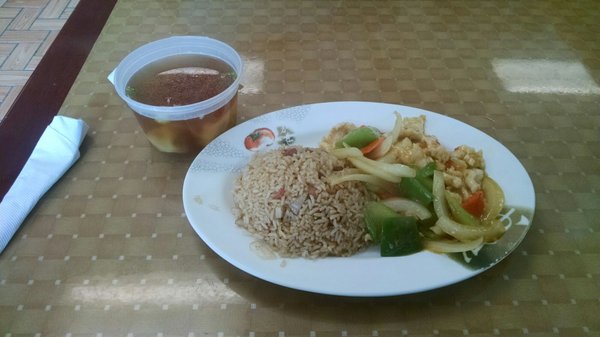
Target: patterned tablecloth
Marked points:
109	250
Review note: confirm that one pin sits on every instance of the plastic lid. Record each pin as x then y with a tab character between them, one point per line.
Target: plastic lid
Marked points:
177	45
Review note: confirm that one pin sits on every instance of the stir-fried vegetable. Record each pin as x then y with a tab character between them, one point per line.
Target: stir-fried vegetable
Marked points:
474	204
400	236
420	187
439	197
390	172
418	210
386	171
374	183
412	188
375	215
425	175
389	139
408	207
494	199
459	213
359	137
375	170
396	234
447	246
372	145
347	152
465	233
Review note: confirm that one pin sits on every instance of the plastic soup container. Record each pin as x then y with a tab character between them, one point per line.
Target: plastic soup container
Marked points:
182	90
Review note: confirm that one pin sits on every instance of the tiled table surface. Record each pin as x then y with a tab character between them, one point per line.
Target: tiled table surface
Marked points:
27	28
109	251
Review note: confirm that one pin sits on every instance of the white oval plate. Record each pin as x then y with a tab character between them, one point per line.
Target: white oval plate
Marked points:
208	200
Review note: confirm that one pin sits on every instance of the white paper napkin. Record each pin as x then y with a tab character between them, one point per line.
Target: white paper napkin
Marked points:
55	152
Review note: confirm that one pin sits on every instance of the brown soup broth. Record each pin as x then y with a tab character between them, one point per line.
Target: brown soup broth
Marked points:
180	80
189	135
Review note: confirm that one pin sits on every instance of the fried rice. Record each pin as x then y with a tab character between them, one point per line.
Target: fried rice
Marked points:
284	199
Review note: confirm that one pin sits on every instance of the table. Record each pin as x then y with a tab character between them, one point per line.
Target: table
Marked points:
109	251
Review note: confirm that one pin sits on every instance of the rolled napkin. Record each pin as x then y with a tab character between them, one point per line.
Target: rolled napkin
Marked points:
56	150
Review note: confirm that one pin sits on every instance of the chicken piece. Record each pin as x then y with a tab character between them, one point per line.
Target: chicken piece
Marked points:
413	128
406	152
434	149
455	183
473	179
471	157
463	181
337	133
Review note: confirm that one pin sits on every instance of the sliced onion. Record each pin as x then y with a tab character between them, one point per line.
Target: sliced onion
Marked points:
390	139
437	230
373	170
439	199
366	178
399	170
445	246
494	199
408	207
488	232
349	170
347	152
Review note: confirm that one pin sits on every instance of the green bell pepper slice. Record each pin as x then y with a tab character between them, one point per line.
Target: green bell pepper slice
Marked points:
359	137
415	190
425	175
375	215
400	236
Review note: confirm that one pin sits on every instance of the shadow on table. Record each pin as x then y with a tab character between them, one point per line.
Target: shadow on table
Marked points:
323	311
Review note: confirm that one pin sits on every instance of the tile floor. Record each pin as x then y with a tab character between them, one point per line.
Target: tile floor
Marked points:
27	29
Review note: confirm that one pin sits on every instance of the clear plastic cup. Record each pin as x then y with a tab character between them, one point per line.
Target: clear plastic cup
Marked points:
184	128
